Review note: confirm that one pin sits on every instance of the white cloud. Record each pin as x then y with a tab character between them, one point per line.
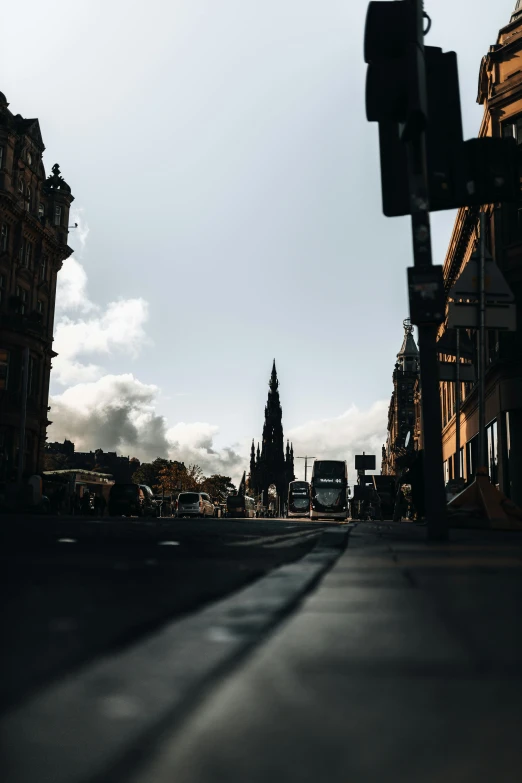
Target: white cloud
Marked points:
118	413
71	289
343	437
86	329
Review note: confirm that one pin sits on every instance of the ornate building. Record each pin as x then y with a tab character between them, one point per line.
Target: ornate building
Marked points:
272	464
401	411
500	93
34	219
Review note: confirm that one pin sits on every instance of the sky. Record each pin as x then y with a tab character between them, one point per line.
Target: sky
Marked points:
227	195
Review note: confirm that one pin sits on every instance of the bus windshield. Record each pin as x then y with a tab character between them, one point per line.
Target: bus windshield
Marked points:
329	473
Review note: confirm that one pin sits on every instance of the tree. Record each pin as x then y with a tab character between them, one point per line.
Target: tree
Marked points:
218	487
171	478
194	477
148	472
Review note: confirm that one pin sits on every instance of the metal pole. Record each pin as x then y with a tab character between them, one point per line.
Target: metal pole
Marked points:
457	407
23	416
482	460
435	496
434	493
306	465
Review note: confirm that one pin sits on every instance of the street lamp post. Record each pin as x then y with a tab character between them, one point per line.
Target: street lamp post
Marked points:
306	464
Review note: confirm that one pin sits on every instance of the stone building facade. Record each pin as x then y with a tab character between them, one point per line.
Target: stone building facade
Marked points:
34	220
401	411
500	93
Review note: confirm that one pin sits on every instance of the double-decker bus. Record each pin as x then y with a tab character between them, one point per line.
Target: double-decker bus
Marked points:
329	490
241	506
298	499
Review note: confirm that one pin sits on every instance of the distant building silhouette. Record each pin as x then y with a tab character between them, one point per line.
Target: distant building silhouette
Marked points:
121	468
401	411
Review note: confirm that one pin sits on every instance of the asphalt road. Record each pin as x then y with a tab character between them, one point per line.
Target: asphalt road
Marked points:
75	589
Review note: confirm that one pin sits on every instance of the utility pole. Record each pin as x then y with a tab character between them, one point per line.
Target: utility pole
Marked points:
306	465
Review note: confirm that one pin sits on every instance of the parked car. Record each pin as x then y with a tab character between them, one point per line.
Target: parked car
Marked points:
194	504
132	500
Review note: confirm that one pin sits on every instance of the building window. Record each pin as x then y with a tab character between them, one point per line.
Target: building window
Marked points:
40	307
57	215
21	185
2	288
21	293
492	436
40	210
1	157
513	129
28	198
446	471
43	268
471	457
29	158
28	254
4	237
4	368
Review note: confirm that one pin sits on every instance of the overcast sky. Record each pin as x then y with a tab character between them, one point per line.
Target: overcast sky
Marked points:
227	192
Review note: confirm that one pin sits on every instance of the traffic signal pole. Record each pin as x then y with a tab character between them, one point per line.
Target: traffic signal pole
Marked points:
434	493
415	140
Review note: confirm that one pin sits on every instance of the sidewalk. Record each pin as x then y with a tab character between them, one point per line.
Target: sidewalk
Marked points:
404	665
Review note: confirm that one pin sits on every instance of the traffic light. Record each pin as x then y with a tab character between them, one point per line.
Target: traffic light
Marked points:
395	65
443	137
412	89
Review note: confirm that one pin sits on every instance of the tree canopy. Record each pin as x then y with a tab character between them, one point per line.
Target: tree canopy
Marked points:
169	477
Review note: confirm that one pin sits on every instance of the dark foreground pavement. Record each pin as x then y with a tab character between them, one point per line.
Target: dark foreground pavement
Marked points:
73	589
390	660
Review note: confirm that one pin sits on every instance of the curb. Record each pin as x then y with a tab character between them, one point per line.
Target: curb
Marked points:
97	723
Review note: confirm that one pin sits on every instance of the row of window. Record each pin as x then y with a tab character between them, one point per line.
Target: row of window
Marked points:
33	380
468	467
22	294
27	155
25	252
57	215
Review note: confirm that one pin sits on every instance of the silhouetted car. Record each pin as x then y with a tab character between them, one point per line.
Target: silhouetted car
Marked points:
132	500
195	504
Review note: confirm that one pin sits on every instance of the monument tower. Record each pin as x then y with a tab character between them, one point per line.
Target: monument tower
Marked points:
273	464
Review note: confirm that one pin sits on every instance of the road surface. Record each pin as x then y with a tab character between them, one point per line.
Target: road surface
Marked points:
74	589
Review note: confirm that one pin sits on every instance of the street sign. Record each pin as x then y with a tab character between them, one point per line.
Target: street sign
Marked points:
495	285
500	310
365	462
426	294
448	372
463	315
